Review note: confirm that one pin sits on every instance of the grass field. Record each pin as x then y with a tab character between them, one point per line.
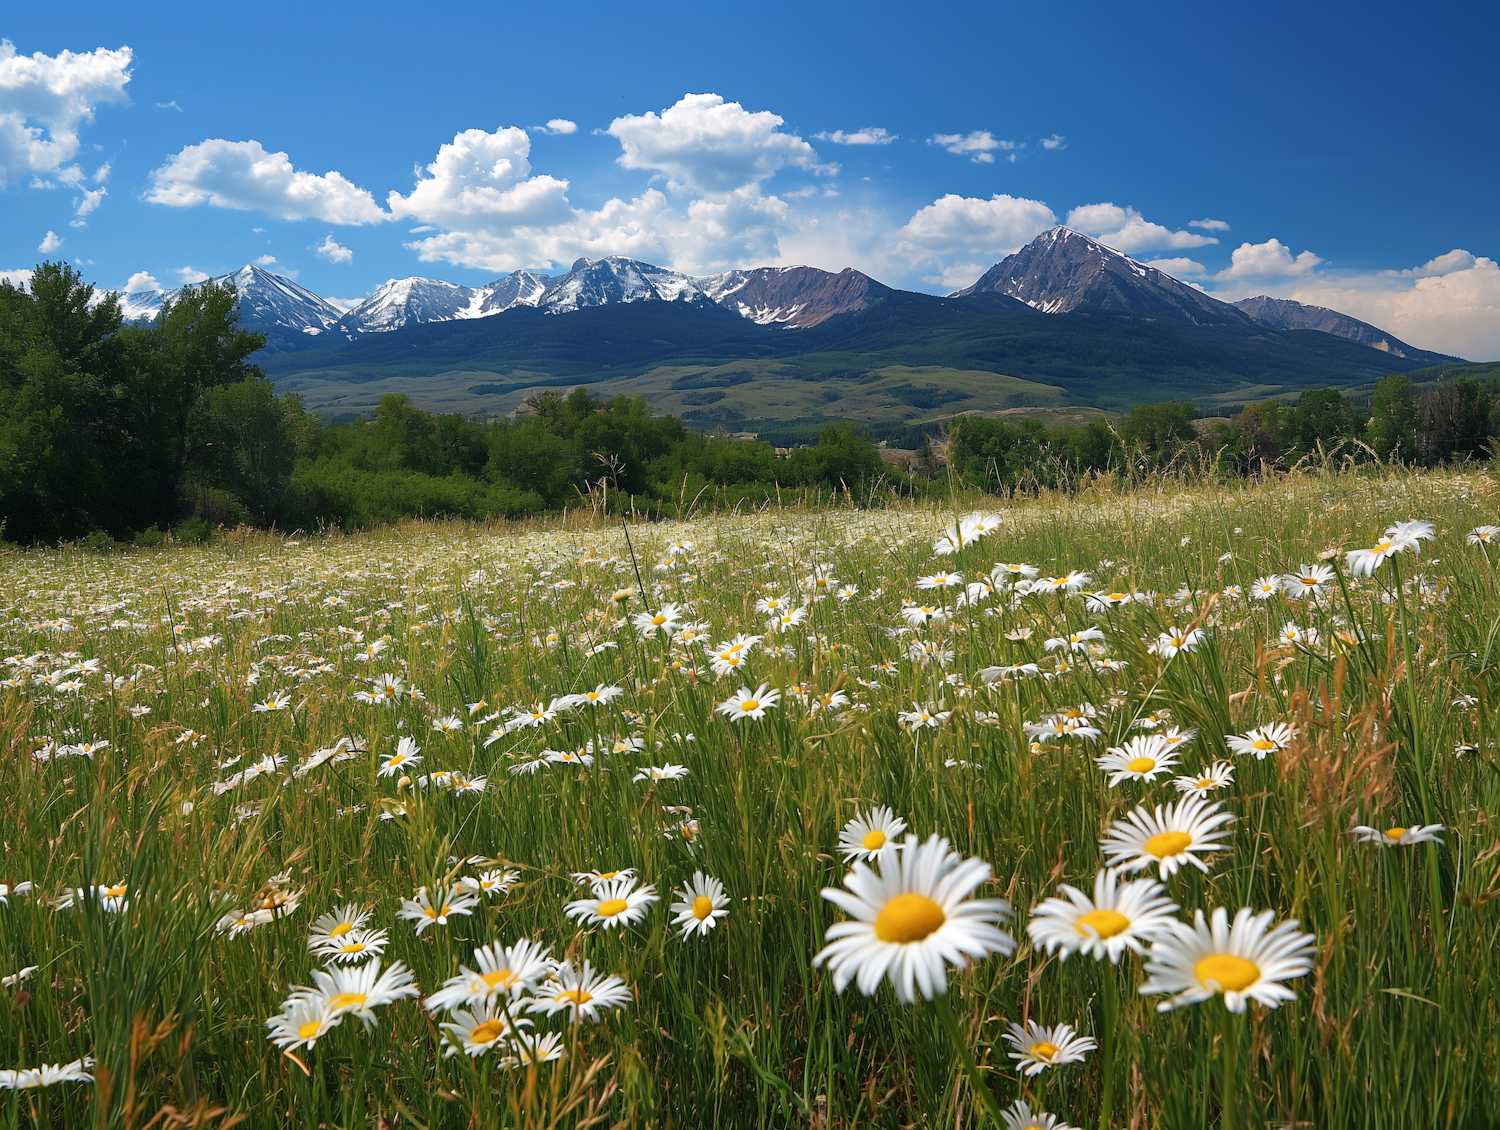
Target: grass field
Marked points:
768	390
206	750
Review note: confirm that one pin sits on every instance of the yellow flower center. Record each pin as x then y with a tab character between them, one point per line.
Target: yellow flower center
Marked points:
611	907
347	1000
1383	547
1308	581
486	1033
352	947
1263	743
1394	834
1165	844
703	906
908	918
658	619
608	874
576	997
114	892
1141	764
1043	1051
1207	783
503	978
309	1030
1229	974
341	929
874	840
750	704
430	912
1103	923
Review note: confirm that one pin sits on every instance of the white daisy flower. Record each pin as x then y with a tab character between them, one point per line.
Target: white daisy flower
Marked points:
1167	838
912	919
355	946
1217	776
1272	738
477	1029
422	911
1142	758
1399	837
1117	918
1039	1046
47	1075
864	836
1243	961
584	994
1020	1116
700	904
614	902
512	970
745	703
358	990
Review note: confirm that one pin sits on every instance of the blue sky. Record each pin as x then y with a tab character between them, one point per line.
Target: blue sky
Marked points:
1344	155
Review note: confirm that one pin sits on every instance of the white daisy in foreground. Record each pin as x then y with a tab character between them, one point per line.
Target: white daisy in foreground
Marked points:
1020	1116
1483	535
1039	1046
1399	837
1306	581
359	990
304	1020
1219	775
1167	838
1265	588
1244	961
1143	758
1117	918
331	927
1272	738
912	919
865	835
745	703
476	1030
1175	641
355	946
47	1075
490	883
424	912
661	773
509	970
408	753
1398	538
614	902
527	1048
699	906
584	994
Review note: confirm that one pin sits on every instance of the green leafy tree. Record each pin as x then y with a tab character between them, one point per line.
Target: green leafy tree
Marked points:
1394	418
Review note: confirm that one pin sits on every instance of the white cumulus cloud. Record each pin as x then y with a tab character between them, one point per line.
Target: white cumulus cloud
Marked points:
1056	141
561	125
17	276
50	243
141	280
86	204
1127	230
265	260
243	176
1179	268
955	239
704	144
1269	260
869	135
331	250
46	100
190	276
1209	225
979	146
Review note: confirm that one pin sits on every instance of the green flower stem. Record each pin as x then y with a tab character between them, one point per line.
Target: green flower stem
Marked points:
976	1081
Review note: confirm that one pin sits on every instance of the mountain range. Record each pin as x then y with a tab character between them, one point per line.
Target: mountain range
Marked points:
1065	313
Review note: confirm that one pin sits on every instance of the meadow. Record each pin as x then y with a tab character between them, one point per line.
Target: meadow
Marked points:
754	819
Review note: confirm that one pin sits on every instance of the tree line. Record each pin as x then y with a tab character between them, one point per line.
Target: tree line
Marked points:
122	431
1458	418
